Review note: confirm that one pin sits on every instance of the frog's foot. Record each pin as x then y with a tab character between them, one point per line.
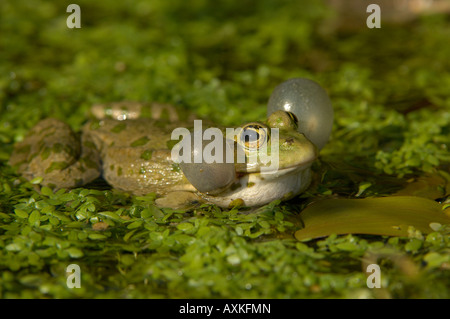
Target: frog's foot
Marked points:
52	151
127	110
179	200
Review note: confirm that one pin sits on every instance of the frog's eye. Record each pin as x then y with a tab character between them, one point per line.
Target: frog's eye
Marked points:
253	136
292	117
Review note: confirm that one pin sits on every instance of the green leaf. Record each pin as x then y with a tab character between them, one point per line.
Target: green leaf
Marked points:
4	216
97	236
46	191
14	247
129	234
135	224
112	215
388	216
75	252
34	218
183	239
31	280
185	226
21	213
413	245
435	260
36	180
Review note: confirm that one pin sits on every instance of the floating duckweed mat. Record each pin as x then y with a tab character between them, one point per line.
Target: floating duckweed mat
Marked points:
391	136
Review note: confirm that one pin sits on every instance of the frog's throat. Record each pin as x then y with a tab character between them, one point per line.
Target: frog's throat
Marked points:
257	189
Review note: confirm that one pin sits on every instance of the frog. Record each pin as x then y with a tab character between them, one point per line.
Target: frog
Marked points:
130	145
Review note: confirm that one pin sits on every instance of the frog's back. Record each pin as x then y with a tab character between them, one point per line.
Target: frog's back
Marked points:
136	154
134	133
129	144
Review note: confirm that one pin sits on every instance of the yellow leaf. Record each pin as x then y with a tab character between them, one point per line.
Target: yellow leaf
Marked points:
389	216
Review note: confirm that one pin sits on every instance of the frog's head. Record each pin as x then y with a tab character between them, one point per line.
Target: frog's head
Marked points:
277	158
273	148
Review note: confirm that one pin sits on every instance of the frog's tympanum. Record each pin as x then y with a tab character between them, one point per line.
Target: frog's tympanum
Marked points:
133	152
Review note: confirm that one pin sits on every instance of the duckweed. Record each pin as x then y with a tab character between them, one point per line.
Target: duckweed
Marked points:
389	89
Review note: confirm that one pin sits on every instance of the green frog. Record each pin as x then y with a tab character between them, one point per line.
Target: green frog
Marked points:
132	151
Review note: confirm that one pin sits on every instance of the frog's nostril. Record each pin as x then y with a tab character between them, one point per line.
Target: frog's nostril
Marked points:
289	140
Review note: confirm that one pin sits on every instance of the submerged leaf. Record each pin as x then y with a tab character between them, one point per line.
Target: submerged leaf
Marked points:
389	216
428	186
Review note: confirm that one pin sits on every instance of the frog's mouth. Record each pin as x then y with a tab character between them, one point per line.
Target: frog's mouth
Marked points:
242	169
282	164
269	175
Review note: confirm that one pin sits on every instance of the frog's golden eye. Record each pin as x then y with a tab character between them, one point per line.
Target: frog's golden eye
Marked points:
293	117
253	136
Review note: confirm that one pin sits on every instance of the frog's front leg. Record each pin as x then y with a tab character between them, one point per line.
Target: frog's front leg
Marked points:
179	200
51	150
